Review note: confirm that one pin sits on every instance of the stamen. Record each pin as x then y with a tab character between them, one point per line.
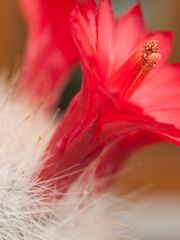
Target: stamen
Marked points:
135	69
150	53
149	59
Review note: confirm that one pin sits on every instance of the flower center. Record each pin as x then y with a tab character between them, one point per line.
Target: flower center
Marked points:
149	59
131	74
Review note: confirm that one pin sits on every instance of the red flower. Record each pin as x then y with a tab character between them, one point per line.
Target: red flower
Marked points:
124	102
158	96
50	51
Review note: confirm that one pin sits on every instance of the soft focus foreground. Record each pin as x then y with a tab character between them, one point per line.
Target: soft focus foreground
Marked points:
28	210
139	173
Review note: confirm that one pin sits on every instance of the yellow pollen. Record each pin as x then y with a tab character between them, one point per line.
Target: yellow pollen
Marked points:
150	55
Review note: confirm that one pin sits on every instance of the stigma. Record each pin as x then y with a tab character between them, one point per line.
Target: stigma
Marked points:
150	54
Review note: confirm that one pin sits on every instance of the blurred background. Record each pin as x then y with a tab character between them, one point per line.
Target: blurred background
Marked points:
152	174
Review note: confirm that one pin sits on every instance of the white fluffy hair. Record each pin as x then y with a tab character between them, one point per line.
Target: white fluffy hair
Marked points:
25	209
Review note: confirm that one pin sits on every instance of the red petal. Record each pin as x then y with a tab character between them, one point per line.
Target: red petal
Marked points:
112	160
84	28
31	10
104	48
159	96
131	31
50	51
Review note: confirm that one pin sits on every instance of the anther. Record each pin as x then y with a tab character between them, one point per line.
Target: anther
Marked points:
150	55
